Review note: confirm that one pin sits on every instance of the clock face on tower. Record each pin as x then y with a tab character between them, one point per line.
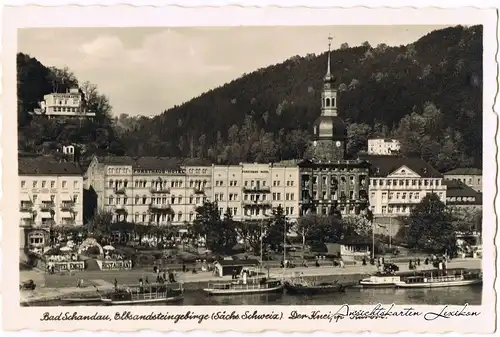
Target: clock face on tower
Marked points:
337	144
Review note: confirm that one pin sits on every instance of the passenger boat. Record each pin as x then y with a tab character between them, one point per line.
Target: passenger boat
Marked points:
300	286
441	279
145	294
380	281
253	286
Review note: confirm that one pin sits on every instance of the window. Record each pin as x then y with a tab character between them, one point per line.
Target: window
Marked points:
52	184
44	183
75	185
23	183
292	196
64	184
35	184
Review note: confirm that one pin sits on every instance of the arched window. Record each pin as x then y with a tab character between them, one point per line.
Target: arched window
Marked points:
333	102
327	102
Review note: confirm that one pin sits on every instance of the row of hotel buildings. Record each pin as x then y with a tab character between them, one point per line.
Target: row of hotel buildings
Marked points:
151	190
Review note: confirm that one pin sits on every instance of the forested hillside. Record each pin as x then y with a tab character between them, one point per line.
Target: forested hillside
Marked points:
427	94
40	135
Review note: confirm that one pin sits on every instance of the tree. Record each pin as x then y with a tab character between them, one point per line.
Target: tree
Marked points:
356	224
429	227
220	234
275	232
250	232
100	224
317	230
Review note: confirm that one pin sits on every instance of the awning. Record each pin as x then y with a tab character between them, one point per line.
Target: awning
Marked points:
45	197
66	197
25	215
25	197
66	215
45	215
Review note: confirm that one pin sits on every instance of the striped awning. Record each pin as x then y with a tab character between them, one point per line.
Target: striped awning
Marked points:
66	197
66	215
45	215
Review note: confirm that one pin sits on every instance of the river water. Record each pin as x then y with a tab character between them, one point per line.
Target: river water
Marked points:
438	296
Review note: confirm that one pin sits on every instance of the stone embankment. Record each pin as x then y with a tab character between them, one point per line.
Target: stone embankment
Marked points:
347	276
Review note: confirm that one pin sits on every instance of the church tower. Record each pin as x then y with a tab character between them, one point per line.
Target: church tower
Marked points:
330	132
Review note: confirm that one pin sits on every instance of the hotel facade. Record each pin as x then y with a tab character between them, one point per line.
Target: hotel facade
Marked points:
397	184
51	194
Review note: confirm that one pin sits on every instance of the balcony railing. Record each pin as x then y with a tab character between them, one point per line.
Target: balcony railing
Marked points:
120	209
265	189
47	206
259	203
27	223
160	207
199	190
402	201
160	190
67	206
26	207
119	190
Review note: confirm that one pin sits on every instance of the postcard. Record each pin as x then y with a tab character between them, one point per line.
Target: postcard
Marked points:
249	169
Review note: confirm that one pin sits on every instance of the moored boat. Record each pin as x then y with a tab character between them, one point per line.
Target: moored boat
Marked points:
441	279
380	281
312	288
242	287
83	300
145	294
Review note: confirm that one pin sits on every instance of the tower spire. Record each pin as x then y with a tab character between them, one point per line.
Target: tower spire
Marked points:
329	46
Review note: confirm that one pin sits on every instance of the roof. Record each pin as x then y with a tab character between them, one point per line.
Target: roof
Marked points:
382	166
458	189
307	163
464	171
45	165
152	163
231	263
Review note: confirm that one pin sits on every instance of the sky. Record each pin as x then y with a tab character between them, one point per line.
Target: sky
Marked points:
145	70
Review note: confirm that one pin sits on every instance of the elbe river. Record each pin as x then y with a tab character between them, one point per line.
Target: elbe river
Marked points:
438	296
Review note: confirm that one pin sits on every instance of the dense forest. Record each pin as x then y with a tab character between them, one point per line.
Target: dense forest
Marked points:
427	94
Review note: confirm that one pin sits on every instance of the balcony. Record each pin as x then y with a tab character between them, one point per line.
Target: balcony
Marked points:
259	203
119	190
160	189
26	207
120	209
199	190
47	206
27	223
67	206
256	189
160	208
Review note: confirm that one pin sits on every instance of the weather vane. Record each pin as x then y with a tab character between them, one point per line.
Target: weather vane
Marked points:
329	41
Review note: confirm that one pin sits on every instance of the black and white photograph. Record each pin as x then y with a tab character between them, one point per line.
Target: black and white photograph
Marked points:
187	166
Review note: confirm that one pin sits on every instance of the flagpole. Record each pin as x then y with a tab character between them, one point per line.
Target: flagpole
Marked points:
373	240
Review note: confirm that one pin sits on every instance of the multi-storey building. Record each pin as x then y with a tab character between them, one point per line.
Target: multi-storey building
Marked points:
382	146
461	196
329	183
148	190
398	183
252	191
51	194
471	177
163	190
71	104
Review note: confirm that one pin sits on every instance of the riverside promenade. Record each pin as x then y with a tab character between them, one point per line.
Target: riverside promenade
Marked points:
54	286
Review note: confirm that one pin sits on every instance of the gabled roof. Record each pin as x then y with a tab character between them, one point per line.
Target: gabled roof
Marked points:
464	171
456	188
45	165
382	166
